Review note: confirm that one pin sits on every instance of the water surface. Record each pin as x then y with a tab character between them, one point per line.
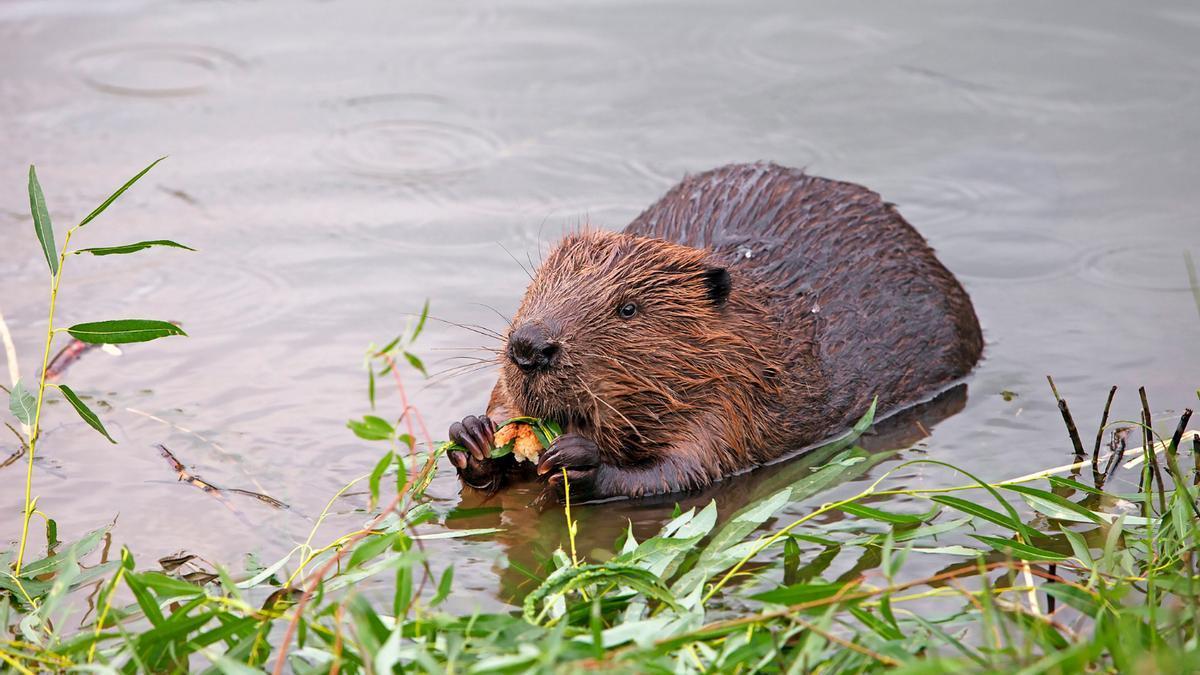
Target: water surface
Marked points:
337	164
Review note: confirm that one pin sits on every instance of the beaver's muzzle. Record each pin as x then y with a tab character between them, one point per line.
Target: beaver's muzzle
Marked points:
531	349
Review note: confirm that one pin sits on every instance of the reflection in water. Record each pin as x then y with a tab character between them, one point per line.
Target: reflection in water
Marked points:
334	179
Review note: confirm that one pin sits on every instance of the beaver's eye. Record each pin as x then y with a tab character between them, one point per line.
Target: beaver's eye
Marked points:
627	310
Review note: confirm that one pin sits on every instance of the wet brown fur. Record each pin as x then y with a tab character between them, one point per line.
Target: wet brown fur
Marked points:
835	299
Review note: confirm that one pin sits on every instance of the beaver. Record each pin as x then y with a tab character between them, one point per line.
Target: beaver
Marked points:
752	311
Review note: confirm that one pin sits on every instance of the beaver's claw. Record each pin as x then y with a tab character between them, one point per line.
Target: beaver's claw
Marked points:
475	466
580	457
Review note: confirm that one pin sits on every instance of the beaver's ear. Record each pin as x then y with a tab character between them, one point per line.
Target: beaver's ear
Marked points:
719	283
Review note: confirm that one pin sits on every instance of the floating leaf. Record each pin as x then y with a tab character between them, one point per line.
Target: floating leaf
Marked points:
133	248
371	428
85	412
121	331
41	221
120	191
22	404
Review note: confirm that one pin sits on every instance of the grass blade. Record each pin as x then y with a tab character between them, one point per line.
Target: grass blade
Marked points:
120	191
85	412
41	221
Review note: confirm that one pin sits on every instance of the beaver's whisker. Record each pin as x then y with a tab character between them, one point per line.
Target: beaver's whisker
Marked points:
474	328
528	272
503	318
492	350
459	370
610	407
642	381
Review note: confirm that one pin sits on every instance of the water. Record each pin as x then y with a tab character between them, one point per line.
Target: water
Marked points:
337	165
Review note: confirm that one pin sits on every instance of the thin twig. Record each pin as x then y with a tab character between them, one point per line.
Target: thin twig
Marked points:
1100	432
1196	460
188	477
1066	415
1148	442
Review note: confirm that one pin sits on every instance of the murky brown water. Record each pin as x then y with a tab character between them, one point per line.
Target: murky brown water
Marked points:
337	164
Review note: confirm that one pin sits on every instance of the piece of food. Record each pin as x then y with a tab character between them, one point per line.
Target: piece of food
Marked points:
525	444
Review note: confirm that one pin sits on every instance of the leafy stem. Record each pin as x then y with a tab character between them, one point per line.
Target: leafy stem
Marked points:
35	429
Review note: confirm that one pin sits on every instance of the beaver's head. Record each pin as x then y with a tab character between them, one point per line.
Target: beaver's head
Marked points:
614	327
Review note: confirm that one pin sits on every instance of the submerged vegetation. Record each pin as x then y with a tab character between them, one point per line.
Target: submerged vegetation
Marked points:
1060	570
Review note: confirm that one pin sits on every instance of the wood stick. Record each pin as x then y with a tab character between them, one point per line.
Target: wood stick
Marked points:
1066	415
1148	442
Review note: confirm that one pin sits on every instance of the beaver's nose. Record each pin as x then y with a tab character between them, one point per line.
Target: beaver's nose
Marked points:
530	349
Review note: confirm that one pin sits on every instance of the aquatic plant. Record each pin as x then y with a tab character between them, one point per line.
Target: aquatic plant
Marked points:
1053	571
27	405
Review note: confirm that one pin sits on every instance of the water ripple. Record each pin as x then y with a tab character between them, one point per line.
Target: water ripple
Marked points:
1007	255
156	70
409	137
1140	264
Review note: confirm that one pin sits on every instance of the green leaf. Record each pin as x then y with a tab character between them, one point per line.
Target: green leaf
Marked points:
41	221
876	514
371	385
799	593
1053	505
1076	597
981	512
120	191
371	428
1073	484
84	412
443	589
377	474
1018	550
121	331
388	348
420	322
416	363
570	578
133	248
370	548
22	403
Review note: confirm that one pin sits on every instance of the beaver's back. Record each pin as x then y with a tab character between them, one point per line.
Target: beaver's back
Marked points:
847	273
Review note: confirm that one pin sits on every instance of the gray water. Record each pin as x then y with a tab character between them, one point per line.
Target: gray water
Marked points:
338	163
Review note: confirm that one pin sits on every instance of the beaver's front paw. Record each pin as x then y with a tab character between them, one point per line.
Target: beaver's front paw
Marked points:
474	463
580	457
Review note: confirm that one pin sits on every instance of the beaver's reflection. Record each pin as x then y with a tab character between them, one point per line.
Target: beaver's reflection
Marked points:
531	533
